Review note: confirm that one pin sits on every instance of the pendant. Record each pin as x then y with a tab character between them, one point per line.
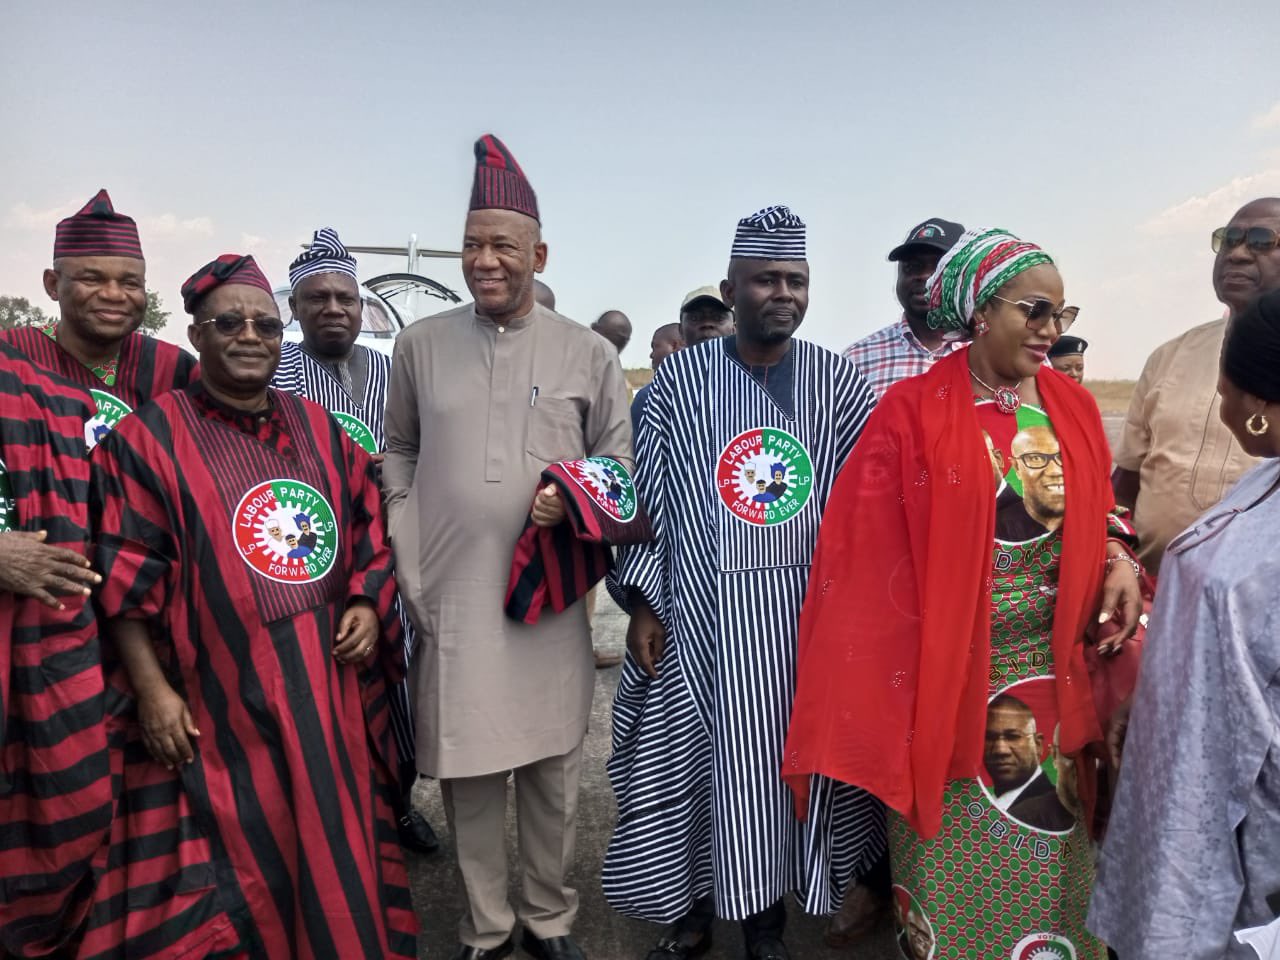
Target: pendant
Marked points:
1007	399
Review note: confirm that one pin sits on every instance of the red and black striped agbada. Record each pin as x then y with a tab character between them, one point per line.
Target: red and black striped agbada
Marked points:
55	786
279	840
556	566
147	368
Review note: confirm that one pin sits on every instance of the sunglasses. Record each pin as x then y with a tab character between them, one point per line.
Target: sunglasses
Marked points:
1039	310
230	325
1258	239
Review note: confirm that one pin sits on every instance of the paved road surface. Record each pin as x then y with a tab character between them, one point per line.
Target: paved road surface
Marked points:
603	934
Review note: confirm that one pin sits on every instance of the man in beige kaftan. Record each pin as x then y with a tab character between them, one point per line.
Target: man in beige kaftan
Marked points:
481	399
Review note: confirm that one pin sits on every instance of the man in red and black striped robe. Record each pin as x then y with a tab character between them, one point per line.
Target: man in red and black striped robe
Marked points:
249	599
98	279
55	787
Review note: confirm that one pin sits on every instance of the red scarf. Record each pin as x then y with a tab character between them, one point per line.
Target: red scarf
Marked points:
895	634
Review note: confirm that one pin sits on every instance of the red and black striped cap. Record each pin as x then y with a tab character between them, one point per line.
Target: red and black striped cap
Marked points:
500	184
228	268
97	231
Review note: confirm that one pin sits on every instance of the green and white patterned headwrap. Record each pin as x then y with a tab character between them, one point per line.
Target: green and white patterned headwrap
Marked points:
983	260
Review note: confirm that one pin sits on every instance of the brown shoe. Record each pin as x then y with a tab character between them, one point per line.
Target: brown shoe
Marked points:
606	660
858	917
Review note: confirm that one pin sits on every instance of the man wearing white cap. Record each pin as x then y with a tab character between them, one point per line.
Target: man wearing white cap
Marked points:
741	441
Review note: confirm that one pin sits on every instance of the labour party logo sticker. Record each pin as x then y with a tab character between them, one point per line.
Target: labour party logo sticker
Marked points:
764	476
606	482
357	431
1044	946
111	410
285	530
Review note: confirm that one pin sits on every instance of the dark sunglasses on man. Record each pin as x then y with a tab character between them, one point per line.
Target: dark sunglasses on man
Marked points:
230	325
1257	239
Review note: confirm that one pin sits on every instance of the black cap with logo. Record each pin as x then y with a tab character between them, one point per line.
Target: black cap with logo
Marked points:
933	234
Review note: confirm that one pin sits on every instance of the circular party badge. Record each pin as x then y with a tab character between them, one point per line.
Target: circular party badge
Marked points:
111	410
764	476
286	531
607	482
1044	946
358	431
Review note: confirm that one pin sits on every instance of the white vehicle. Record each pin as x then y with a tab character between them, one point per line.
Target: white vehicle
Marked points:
389	301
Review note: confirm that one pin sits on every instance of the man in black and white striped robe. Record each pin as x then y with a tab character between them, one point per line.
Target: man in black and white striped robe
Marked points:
740	442
350	381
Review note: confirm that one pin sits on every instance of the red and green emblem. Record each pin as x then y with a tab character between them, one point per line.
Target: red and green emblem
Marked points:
286	531
358	431
608	483
764	477
111	410
1044	946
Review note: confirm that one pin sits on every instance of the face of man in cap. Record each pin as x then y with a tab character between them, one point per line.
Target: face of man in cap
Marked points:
238	365
328	309
705	320
101	299
769	298
501	252
1241	274
914	270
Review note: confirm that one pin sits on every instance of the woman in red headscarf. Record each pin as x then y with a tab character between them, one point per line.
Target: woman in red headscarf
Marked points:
969	544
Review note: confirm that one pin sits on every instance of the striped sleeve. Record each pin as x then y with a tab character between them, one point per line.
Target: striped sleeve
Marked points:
644	567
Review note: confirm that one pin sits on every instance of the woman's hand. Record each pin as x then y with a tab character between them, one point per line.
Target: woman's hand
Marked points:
1121	601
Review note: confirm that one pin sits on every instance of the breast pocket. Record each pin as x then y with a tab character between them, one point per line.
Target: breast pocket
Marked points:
555	431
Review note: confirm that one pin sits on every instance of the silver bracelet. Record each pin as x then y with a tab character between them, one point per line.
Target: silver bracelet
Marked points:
1137	567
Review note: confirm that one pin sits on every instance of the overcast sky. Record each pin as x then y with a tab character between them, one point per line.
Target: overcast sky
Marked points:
1117	136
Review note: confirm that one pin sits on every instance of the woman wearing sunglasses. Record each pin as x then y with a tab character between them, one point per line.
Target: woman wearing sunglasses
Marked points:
969	547
1191	853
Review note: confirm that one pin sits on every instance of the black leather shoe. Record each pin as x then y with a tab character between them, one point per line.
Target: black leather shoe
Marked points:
479	953
552	948
416	833
768	948
680	945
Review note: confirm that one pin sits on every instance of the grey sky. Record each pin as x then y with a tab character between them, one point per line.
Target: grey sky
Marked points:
1115	135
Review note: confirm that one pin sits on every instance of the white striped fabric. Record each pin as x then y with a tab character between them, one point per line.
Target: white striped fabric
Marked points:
326	254
697	758
774	233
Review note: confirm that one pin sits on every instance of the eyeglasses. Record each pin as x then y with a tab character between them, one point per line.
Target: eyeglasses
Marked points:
1258	239
230	325
1038	461
1039	310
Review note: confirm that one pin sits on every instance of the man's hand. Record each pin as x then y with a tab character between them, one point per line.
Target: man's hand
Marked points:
357	632
548	508
1117	730
646	637
31	568
166	726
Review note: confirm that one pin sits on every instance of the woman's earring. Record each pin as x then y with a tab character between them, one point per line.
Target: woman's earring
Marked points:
980	327
1257	430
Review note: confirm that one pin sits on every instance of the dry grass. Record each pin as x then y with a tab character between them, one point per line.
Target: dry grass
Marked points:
1112	395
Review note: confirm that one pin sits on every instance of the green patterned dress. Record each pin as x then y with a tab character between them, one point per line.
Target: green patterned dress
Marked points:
1010	872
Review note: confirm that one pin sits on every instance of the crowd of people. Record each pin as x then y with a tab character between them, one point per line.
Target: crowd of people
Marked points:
896	644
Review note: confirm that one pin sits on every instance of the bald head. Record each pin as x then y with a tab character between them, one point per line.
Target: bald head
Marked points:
614	326
667	339
1242	271
544	295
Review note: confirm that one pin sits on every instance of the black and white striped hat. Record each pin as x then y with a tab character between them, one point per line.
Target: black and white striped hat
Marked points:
325	254
774	233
